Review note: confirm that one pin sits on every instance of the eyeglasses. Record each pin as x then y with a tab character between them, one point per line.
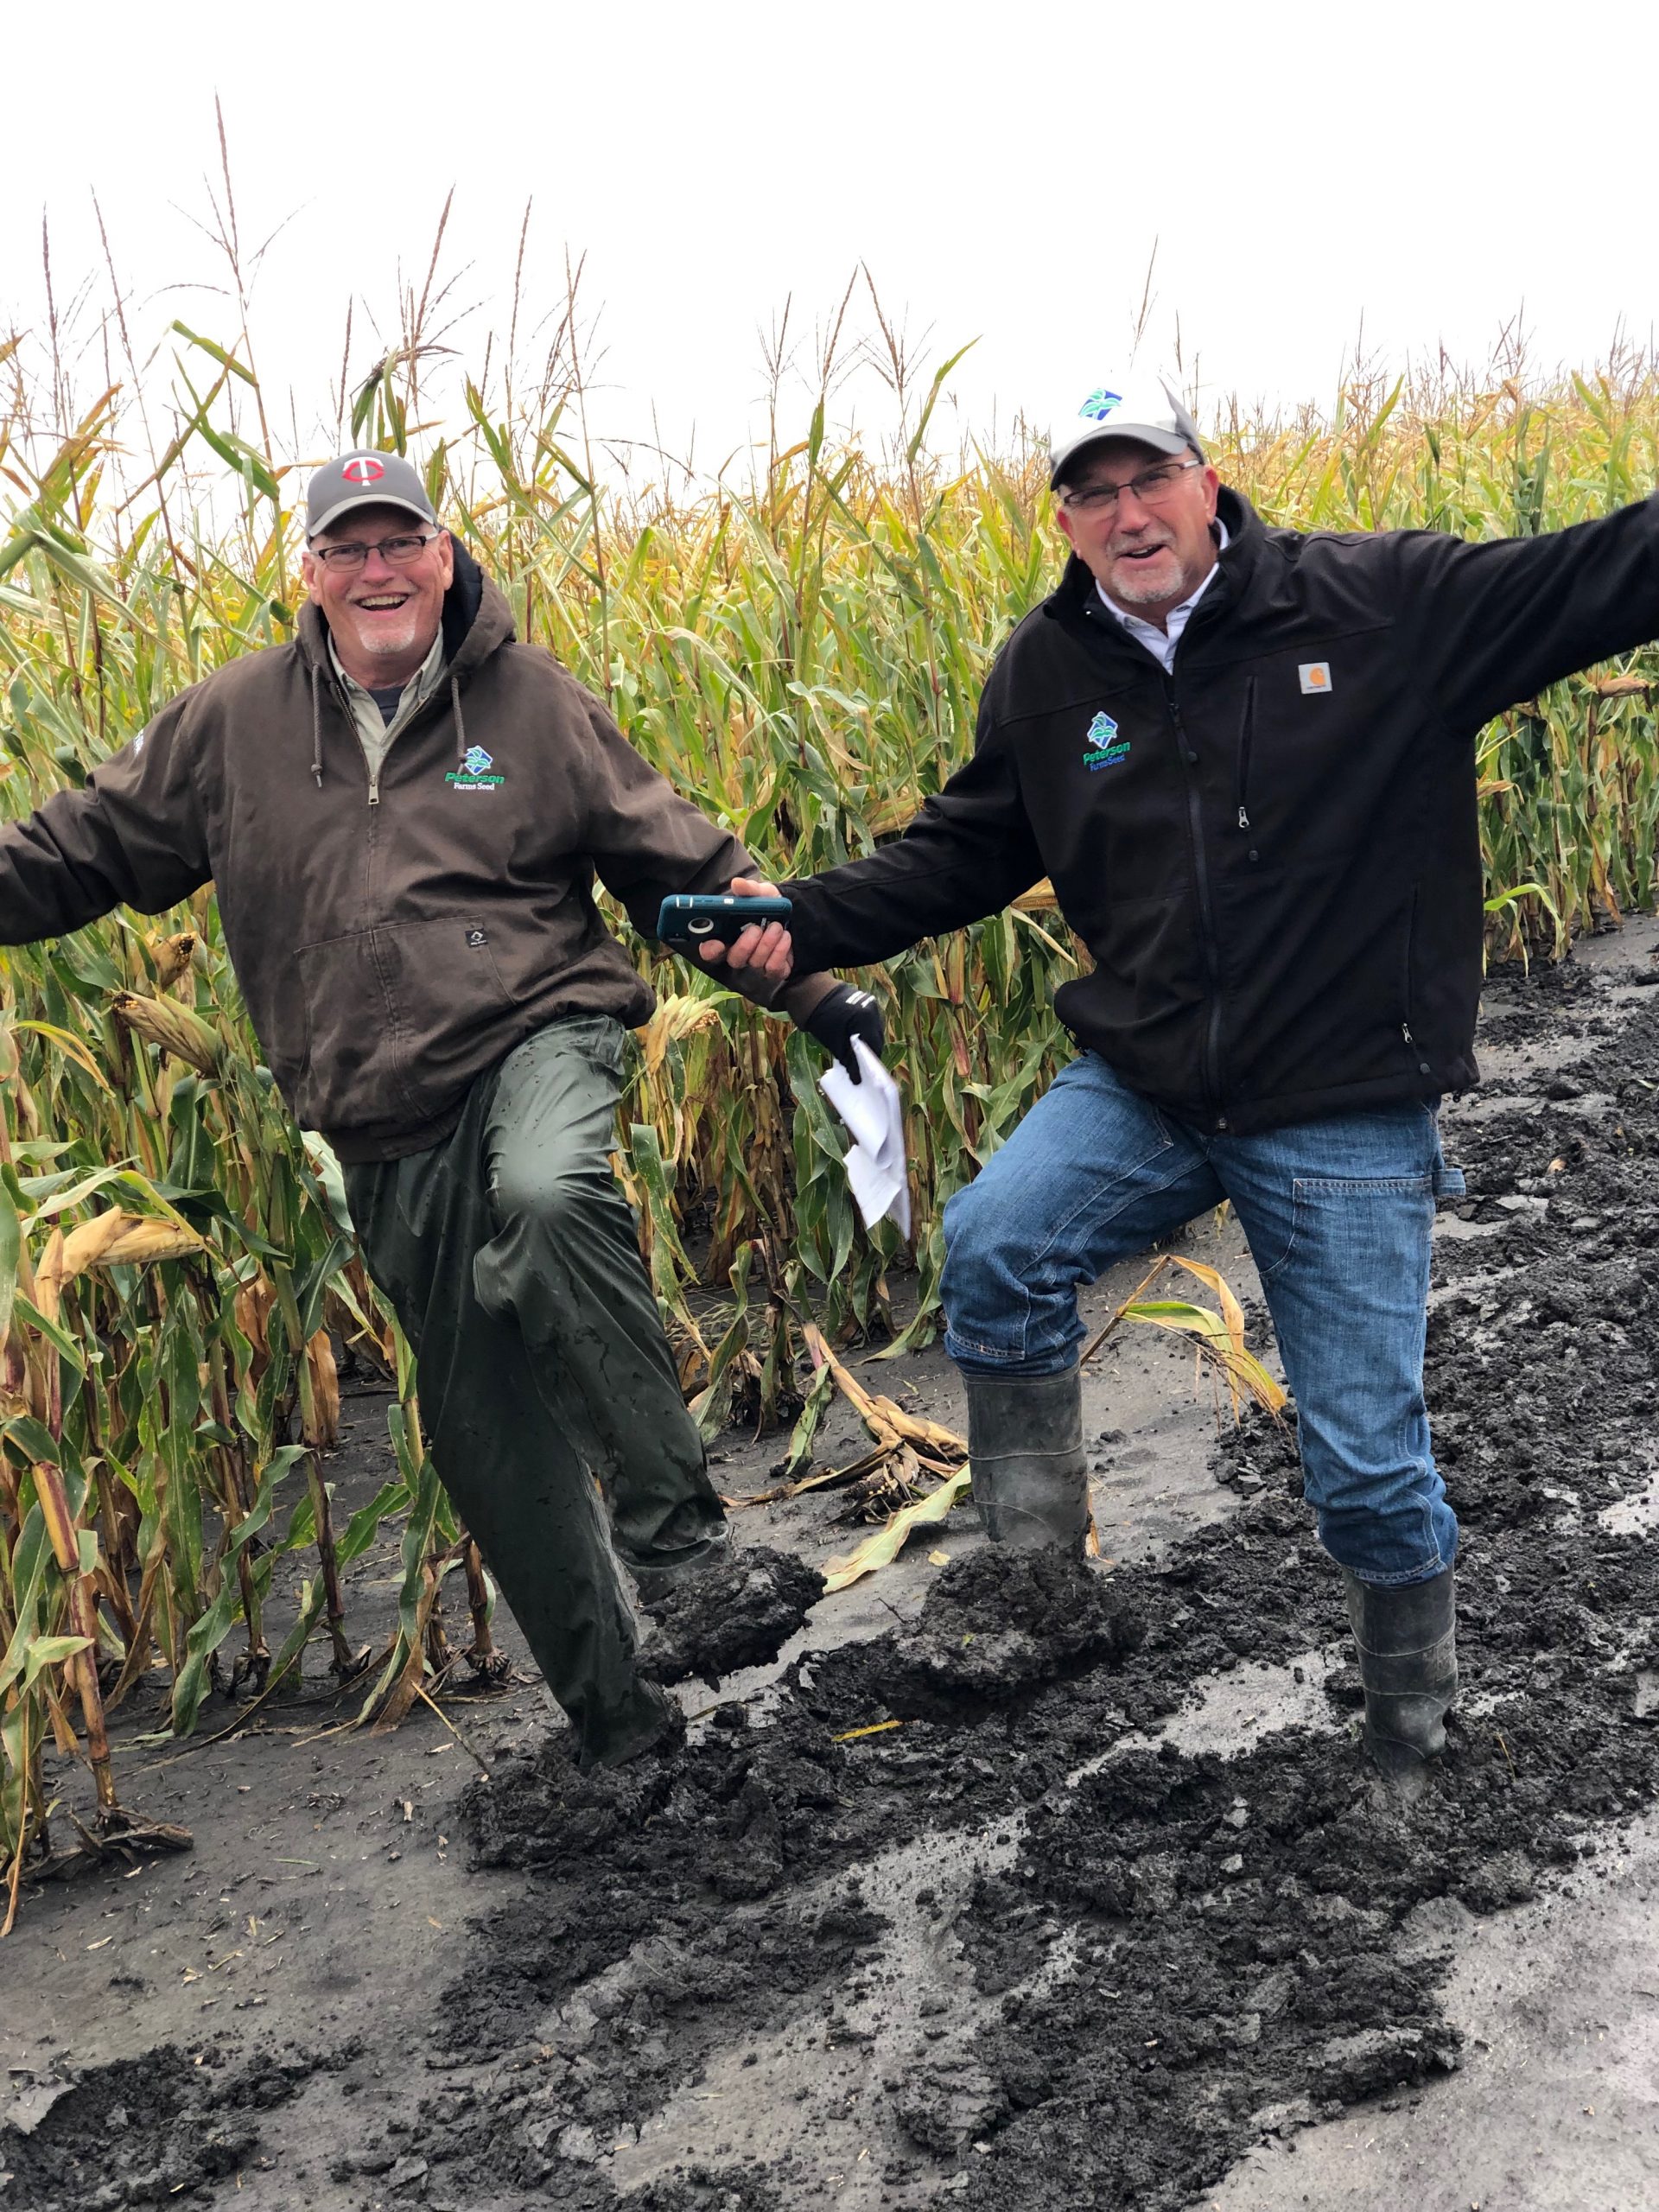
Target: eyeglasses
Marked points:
396	552
1153	487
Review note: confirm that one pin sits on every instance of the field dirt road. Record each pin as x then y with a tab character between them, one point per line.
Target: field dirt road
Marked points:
1109	1918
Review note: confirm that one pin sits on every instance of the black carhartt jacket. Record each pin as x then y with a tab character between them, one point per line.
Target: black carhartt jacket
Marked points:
1272	854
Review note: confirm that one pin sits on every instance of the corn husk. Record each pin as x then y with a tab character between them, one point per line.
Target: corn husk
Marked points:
175	1029
170	957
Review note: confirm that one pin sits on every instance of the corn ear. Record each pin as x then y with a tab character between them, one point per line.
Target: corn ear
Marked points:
173	1026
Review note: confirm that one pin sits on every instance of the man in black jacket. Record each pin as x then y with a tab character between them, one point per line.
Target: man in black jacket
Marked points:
1244	757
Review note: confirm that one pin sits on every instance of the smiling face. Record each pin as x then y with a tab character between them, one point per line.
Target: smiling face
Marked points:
381	620
1148	557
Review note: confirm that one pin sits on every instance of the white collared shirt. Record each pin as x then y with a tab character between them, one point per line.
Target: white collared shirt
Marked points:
1161	643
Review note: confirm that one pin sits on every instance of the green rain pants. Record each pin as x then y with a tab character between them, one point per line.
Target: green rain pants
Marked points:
510	1256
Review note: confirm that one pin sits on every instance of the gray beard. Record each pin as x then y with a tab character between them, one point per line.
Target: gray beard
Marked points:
389	646
1137	594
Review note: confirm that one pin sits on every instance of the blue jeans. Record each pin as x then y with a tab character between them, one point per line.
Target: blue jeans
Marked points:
1338	1215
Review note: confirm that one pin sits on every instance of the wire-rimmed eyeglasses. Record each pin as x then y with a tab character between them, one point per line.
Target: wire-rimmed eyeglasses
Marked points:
400	552
1153	487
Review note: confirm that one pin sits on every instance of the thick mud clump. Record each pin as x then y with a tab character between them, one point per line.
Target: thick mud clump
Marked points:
998	1625
171	2124
740	1614
726	1812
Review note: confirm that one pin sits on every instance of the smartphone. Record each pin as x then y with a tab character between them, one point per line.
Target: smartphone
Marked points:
714	917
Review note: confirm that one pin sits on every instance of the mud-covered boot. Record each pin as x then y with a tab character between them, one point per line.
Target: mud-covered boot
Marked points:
1406	1637
662	1577
1025	1445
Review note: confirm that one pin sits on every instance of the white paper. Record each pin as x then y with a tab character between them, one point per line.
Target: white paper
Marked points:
876	1171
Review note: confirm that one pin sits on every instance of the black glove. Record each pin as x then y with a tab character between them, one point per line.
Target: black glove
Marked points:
840	1015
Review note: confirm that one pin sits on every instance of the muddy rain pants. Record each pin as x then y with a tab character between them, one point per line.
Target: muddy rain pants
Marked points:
510	1256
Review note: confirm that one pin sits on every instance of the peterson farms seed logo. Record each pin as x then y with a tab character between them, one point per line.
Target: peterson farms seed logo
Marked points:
1099	404
474	773
1101	745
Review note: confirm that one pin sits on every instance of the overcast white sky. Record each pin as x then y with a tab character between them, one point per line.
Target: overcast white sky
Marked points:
1428	170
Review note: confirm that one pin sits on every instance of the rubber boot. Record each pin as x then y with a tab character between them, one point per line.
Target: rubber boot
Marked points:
1406	1637
1025	1445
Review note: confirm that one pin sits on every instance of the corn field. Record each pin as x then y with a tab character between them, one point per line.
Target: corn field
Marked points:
802	658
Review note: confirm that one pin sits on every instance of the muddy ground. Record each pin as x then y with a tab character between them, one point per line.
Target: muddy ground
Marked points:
1006	1884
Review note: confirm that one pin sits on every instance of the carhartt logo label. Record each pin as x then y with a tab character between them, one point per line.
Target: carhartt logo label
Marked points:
363	470
474	773
1101	745
1099	404
1315	675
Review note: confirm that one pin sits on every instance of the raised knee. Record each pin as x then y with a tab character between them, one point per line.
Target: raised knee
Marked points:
978	1228
546	1203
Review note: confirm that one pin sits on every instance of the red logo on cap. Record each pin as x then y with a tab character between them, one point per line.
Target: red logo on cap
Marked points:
363	471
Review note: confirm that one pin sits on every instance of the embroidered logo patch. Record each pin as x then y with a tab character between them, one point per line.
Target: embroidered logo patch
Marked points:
1315	675
474	773
1101	745
363	470
1099	404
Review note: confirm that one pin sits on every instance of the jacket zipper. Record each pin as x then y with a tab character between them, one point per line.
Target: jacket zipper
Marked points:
1212	1067
1246	732
343	700
1412	1046
1206	917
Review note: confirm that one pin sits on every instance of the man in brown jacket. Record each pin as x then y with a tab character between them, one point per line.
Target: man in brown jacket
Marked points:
404	812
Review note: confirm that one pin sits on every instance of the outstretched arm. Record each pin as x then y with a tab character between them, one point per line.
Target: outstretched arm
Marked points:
967	854
131	836
1488	625
647	843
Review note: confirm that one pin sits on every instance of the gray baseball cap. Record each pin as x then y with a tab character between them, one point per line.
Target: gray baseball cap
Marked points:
362	480
1139	407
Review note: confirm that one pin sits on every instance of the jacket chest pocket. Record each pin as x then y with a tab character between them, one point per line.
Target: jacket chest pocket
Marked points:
1304	756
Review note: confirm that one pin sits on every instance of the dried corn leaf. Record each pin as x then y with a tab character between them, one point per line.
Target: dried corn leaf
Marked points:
885	1546
674	1019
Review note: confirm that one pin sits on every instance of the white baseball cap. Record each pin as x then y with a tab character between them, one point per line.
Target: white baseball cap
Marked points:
1121	407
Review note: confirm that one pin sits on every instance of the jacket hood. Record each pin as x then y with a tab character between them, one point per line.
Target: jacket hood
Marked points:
1245	531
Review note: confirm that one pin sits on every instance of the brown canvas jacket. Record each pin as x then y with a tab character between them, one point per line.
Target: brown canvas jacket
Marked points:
393	946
